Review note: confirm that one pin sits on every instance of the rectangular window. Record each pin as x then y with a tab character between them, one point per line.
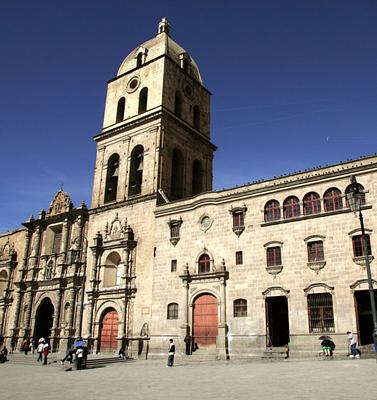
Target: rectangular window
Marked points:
358	245
57	240
239	258
315	251
320	313
273	256
174	231
238	220
173	266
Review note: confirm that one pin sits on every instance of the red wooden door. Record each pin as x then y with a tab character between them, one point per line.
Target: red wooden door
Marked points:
109	331
205	326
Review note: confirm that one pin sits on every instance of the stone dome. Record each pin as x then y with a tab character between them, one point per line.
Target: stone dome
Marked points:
161	44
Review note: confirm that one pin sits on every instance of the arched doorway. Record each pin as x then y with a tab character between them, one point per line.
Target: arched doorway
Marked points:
44	319
108	331
205	320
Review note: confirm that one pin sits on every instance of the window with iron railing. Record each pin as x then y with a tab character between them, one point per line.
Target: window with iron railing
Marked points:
172	311
320	313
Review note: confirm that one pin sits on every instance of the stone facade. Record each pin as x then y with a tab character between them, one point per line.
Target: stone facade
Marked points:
161	255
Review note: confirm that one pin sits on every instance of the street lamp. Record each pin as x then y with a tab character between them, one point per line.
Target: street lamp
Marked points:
354	197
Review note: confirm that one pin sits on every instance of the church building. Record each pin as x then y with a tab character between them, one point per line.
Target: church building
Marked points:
160	255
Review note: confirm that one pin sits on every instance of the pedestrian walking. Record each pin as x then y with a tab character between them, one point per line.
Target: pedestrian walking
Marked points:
46	350
3	354
171	353
352	345
68	356
25	347
40	351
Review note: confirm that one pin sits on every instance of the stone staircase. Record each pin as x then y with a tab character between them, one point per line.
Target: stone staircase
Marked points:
274	353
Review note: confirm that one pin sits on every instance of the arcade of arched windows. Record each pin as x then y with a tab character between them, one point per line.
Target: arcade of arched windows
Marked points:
312	204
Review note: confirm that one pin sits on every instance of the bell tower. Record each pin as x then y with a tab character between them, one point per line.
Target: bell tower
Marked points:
156	128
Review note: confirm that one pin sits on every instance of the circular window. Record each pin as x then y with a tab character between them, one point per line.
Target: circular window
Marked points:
205	222
133	84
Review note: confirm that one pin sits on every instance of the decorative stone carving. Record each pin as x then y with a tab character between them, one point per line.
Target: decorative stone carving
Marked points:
115	230
316	266
6	251
361	260
274	270
60	204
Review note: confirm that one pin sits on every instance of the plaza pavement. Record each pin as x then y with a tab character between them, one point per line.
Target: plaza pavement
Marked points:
273	380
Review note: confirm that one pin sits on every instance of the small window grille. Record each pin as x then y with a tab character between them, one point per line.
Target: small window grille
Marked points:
240	308
172	311
320	313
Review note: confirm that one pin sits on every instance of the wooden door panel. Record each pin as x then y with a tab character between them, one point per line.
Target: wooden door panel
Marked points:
205	320
109	331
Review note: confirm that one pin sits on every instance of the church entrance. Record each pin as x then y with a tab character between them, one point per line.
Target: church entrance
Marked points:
277	324
44	319
364	316
205	320
108	331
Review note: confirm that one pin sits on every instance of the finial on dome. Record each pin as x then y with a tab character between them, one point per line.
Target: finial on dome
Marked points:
164	26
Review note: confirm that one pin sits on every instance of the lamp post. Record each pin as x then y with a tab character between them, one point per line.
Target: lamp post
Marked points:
354	197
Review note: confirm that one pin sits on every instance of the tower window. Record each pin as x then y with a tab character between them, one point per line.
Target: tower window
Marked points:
196	118
111	187
197	177
143	100
177	174
178	105
139	60
136	170
120	110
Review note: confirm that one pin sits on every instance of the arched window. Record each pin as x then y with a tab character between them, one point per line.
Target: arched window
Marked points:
120	110
291	207
110	269
332	200
3	283
139	60
143	100
240	308
112	178
136	170
196	118
177	174
311	204
272	211
172	311
204	264
178	105
197	177
362	192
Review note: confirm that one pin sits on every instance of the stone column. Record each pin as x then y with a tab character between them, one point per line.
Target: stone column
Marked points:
71	311
27	317
56	324
186	285
34	253
63	248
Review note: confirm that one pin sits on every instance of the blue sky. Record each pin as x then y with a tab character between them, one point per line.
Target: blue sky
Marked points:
294	86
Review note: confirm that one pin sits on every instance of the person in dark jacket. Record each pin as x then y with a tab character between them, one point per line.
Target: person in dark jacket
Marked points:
171	353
